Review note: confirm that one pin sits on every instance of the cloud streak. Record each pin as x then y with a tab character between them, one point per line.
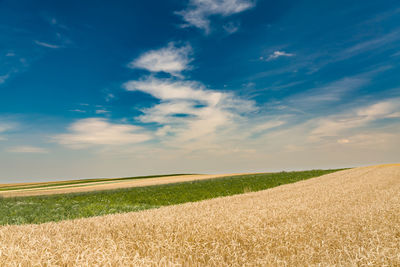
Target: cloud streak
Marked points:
329	93
337	91
170	59
278	54
97	131
4	127
375	43
335	125
27	149
52	46
198	12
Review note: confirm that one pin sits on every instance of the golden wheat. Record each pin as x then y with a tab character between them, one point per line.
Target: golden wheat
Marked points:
347	218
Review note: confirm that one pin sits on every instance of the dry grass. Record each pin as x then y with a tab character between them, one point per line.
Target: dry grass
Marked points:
347	218
108	185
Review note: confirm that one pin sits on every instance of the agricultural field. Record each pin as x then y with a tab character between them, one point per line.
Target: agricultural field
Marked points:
39	209
87	185
344	218
41	185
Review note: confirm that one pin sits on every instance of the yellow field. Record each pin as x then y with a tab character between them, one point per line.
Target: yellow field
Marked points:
108	185
347	218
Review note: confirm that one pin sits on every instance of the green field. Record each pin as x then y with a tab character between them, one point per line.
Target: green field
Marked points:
40	209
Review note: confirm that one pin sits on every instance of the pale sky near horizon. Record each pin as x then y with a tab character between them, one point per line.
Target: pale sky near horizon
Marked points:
127	88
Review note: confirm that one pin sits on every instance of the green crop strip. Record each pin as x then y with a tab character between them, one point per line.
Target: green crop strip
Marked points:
24	210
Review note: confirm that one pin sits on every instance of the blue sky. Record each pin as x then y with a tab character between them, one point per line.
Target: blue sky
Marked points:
122	88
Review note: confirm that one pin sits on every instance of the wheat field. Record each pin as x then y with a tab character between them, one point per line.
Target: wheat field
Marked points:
347	218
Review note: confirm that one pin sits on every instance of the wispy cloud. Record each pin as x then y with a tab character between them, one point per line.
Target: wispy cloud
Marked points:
170	59
3	78
168	89
331	92
97	131
47	45
393	12
370	44
317	59
198	12
370	139
278	54
54	22
396	54
78	110
372	127
109	97
27	149
102	111
337	124
267	125
3	128
231	27
187	110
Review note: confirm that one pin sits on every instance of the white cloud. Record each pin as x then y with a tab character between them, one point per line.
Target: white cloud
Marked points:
199	11
384	109
4	127
98	131
27	149
374	127
102	111
47	45
10	54
170	112
335	125
278	54
170	59
167	89
3	78
187	110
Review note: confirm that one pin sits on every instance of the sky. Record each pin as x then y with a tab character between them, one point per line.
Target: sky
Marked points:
124	88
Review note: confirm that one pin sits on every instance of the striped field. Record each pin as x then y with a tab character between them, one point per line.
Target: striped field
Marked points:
346	218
